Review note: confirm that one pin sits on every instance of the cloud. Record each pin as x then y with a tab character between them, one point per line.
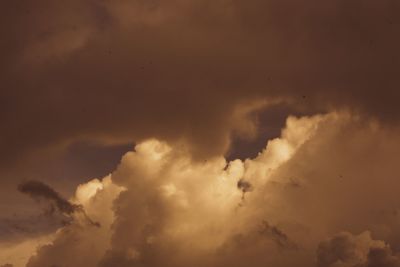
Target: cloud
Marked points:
19	228
281	239
162	207
79	238
182	80
70	211
123	71
167	195
170	200
18	253
40	191
198	74
346	249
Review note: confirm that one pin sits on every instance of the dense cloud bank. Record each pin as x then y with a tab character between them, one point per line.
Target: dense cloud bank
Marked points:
316	200
118	71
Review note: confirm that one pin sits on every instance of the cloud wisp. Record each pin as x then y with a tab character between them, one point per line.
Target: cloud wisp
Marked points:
56	203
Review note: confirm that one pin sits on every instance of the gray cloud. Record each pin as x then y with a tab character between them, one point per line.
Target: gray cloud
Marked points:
40	191
128	70
57	204
346	249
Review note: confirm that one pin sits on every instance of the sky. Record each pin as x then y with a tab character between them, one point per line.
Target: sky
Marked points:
199	133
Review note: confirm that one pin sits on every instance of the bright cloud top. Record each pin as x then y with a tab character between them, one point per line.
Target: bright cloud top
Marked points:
161	208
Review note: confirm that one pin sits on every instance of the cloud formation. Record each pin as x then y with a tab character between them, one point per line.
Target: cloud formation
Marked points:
345	249
123	71
71	243
161	207
182	80
40	191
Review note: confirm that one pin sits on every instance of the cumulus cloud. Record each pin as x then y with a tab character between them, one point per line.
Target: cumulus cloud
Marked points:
163	208
183	79
326	179
18	253
159	199
348	250
196	73
80	243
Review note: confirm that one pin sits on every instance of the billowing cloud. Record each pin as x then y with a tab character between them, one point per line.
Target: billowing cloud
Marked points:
167	209
347	250
182	80
80	243
18	253
196	73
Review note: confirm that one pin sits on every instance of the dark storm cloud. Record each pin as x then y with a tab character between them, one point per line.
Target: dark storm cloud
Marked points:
42	192
119	71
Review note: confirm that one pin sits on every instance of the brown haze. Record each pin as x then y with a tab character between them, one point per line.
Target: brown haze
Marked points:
176	87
